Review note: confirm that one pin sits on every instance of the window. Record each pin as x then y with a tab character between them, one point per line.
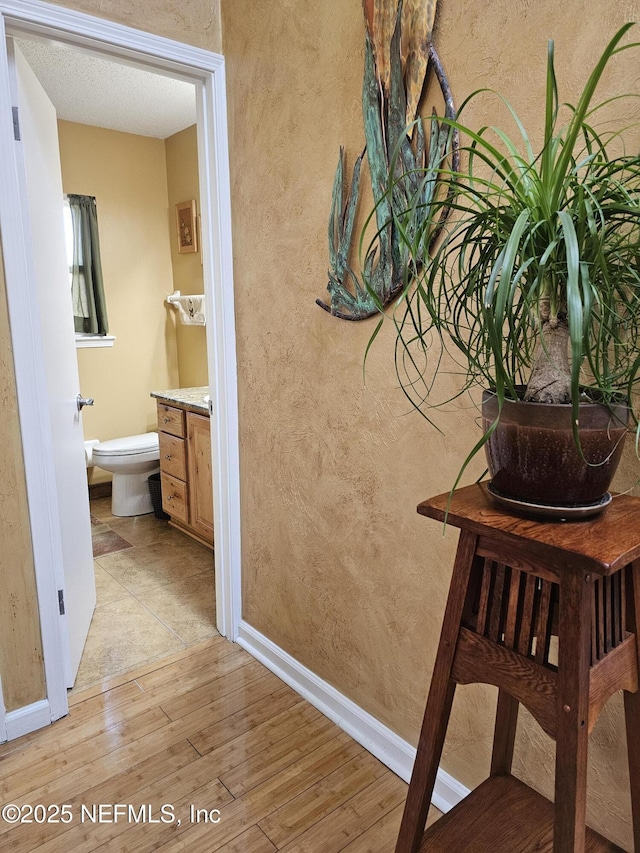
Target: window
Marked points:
85	268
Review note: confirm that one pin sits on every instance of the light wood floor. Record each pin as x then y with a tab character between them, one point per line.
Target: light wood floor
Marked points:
210	728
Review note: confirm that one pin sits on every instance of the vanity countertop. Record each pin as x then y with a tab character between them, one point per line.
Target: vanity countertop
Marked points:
194	399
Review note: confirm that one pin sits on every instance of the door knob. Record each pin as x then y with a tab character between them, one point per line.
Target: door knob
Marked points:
81	402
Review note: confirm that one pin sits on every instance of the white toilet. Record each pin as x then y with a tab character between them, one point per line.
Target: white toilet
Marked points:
131	460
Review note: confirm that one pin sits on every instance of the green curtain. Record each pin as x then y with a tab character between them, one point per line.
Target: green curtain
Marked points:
87	288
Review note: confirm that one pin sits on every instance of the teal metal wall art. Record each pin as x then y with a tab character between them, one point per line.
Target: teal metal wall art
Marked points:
404	152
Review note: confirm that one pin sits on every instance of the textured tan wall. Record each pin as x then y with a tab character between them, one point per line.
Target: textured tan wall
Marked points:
182	184
195	22
21	662
338	570
127	175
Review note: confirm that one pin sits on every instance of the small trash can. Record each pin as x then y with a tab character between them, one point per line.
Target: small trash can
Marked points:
156	496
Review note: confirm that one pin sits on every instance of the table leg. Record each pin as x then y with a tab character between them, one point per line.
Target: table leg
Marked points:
574	649
441	693
632	702
504	734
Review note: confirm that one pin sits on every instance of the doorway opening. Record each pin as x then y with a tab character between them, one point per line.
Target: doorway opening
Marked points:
127	139
205	71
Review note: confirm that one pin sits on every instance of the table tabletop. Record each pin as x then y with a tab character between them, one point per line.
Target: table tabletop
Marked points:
604	543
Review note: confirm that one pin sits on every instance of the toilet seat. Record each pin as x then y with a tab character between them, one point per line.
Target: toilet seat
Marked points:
132	445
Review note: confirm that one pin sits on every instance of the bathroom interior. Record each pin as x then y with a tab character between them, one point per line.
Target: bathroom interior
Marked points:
154	575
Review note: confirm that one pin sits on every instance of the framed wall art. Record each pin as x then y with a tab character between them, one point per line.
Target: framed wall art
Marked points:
186	225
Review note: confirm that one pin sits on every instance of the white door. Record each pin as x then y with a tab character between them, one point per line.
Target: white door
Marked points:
45	229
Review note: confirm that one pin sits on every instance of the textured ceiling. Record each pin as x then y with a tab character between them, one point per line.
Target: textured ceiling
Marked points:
91	90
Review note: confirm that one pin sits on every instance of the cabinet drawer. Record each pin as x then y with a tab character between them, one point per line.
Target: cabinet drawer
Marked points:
170	419
172	456
174	497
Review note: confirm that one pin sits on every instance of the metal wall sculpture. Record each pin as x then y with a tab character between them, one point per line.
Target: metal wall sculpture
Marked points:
403	163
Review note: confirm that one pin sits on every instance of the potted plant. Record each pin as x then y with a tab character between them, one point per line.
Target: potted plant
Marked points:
534	291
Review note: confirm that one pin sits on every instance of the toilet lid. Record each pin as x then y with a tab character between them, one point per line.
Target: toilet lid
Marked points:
132	445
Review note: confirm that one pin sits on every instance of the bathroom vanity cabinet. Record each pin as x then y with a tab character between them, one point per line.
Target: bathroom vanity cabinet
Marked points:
185	461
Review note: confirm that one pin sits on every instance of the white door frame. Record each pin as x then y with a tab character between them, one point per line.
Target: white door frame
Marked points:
205	69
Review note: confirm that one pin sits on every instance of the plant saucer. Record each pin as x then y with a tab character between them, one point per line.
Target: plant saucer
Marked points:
576	512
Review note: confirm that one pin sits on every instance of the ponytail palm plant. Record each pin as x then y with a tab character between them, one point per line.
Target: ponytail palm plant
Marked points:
535	282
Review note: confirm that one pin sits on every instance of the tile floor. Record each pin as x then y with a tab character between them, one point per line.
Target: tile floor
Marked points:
155	594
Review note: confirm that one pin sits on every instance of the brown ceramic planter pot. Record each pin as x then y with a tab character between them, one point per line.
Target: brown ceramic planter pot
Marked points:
532	456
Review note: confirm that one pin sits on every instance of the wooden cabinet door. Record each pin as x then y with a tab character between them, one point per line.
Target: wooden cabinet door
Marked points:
200	482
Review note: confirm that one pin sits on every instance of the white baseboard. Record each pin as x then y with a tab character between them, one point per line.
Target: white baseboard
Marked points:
27	719
397	754
3	713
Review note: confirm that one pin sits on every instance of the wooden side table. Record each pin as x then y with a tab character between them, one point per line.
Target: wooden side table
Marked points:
518	583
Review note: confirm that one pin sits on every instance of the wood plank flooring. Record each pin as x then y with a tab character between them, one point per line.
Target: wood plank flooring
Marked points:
202	751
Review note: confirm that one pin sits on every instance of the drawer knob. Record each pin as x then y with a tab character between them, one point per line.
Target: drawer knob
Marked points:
168	456
165	420
169	497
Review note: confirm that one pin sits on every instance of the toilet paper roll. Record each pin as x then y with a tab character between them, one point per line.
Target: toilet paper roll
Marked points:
88	451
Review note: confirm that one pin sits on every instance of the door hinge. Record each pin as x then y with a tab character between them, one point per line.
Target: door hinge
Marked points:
61	601
16	124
